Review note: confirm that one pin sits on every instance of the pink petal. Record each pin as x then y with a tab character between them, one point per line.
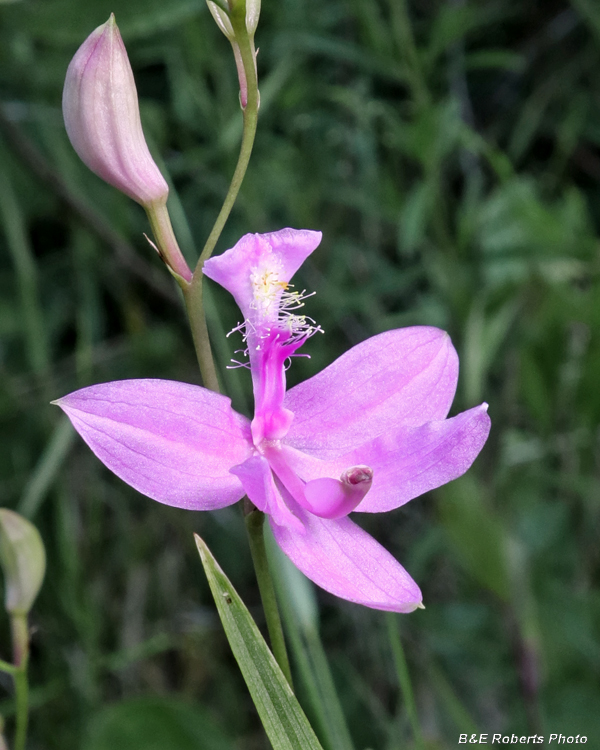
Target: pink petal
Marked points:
415	460
405	463
281	252
172	441
257	479
402	377
343	559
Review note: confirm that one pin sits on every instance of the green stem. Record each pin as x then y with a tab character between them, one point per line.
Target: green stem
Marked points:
250	123
250	114
22	707
254	526
404	678
20	638
192	293
167	246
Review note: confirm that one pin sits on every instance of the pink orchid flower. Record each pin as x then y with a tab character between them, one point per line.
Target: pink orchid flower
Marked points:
368	433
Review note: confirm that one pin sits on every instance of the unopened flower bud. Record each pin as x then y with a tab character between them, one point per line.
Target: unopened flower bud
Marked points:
102	117
252	15
23	561
222	20
224	23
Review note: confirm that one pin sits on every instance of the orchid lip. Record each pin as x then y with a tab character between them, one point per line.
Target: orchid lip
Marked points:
324	497
336	498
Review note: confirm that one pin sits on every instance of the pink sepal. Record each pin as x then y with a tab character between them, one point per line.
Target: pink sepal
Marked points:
402	377
346	561
171	441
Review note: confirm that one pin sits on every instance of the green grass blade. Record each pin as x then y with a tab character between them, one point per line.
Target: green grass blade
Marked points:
301	618
283	719
404	677
47	468
26	272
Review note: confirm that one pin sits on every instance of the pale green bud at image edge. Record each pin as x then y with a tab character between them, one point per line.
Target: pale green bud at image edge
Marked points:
23	561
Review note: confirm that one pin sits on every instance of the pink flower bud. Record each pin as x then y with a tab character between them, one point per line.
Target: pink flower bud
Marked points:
102	117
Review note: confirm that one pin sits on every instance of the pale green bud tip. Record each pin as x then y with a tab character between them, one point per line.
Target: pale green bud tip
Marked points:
23	561
222	19
102	117
252	15
219	11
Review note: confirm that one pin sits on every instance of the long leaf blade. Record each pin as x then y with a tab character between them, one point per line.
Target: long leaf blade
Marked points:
283	719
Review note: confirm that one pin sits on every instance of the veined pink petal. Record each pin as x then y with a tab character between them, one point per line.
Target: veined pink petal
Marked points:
402	377
281	253
407	462
415	460
259	484
346	561
171	441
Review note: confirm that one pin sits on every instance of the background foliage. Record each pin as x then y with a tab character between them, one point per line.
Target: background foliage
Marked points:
450	152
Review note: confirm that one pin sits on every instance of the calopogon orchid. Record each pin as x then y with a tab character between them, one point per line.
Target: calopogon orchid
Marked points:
102	118
367	434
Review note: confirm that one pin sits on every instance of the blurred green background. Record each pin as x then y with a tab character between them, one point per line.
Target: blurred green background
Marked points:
450	153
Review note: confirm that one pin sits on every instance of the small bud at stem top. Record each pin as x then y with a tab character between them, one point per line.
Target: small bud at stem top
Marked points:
223	20
252	15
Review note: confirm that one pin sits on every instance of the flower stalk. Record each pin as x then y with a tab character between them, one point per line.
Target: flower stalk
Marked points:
245	41
194	304
166	242
254	519
18	671
245	56
20	636
243	45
